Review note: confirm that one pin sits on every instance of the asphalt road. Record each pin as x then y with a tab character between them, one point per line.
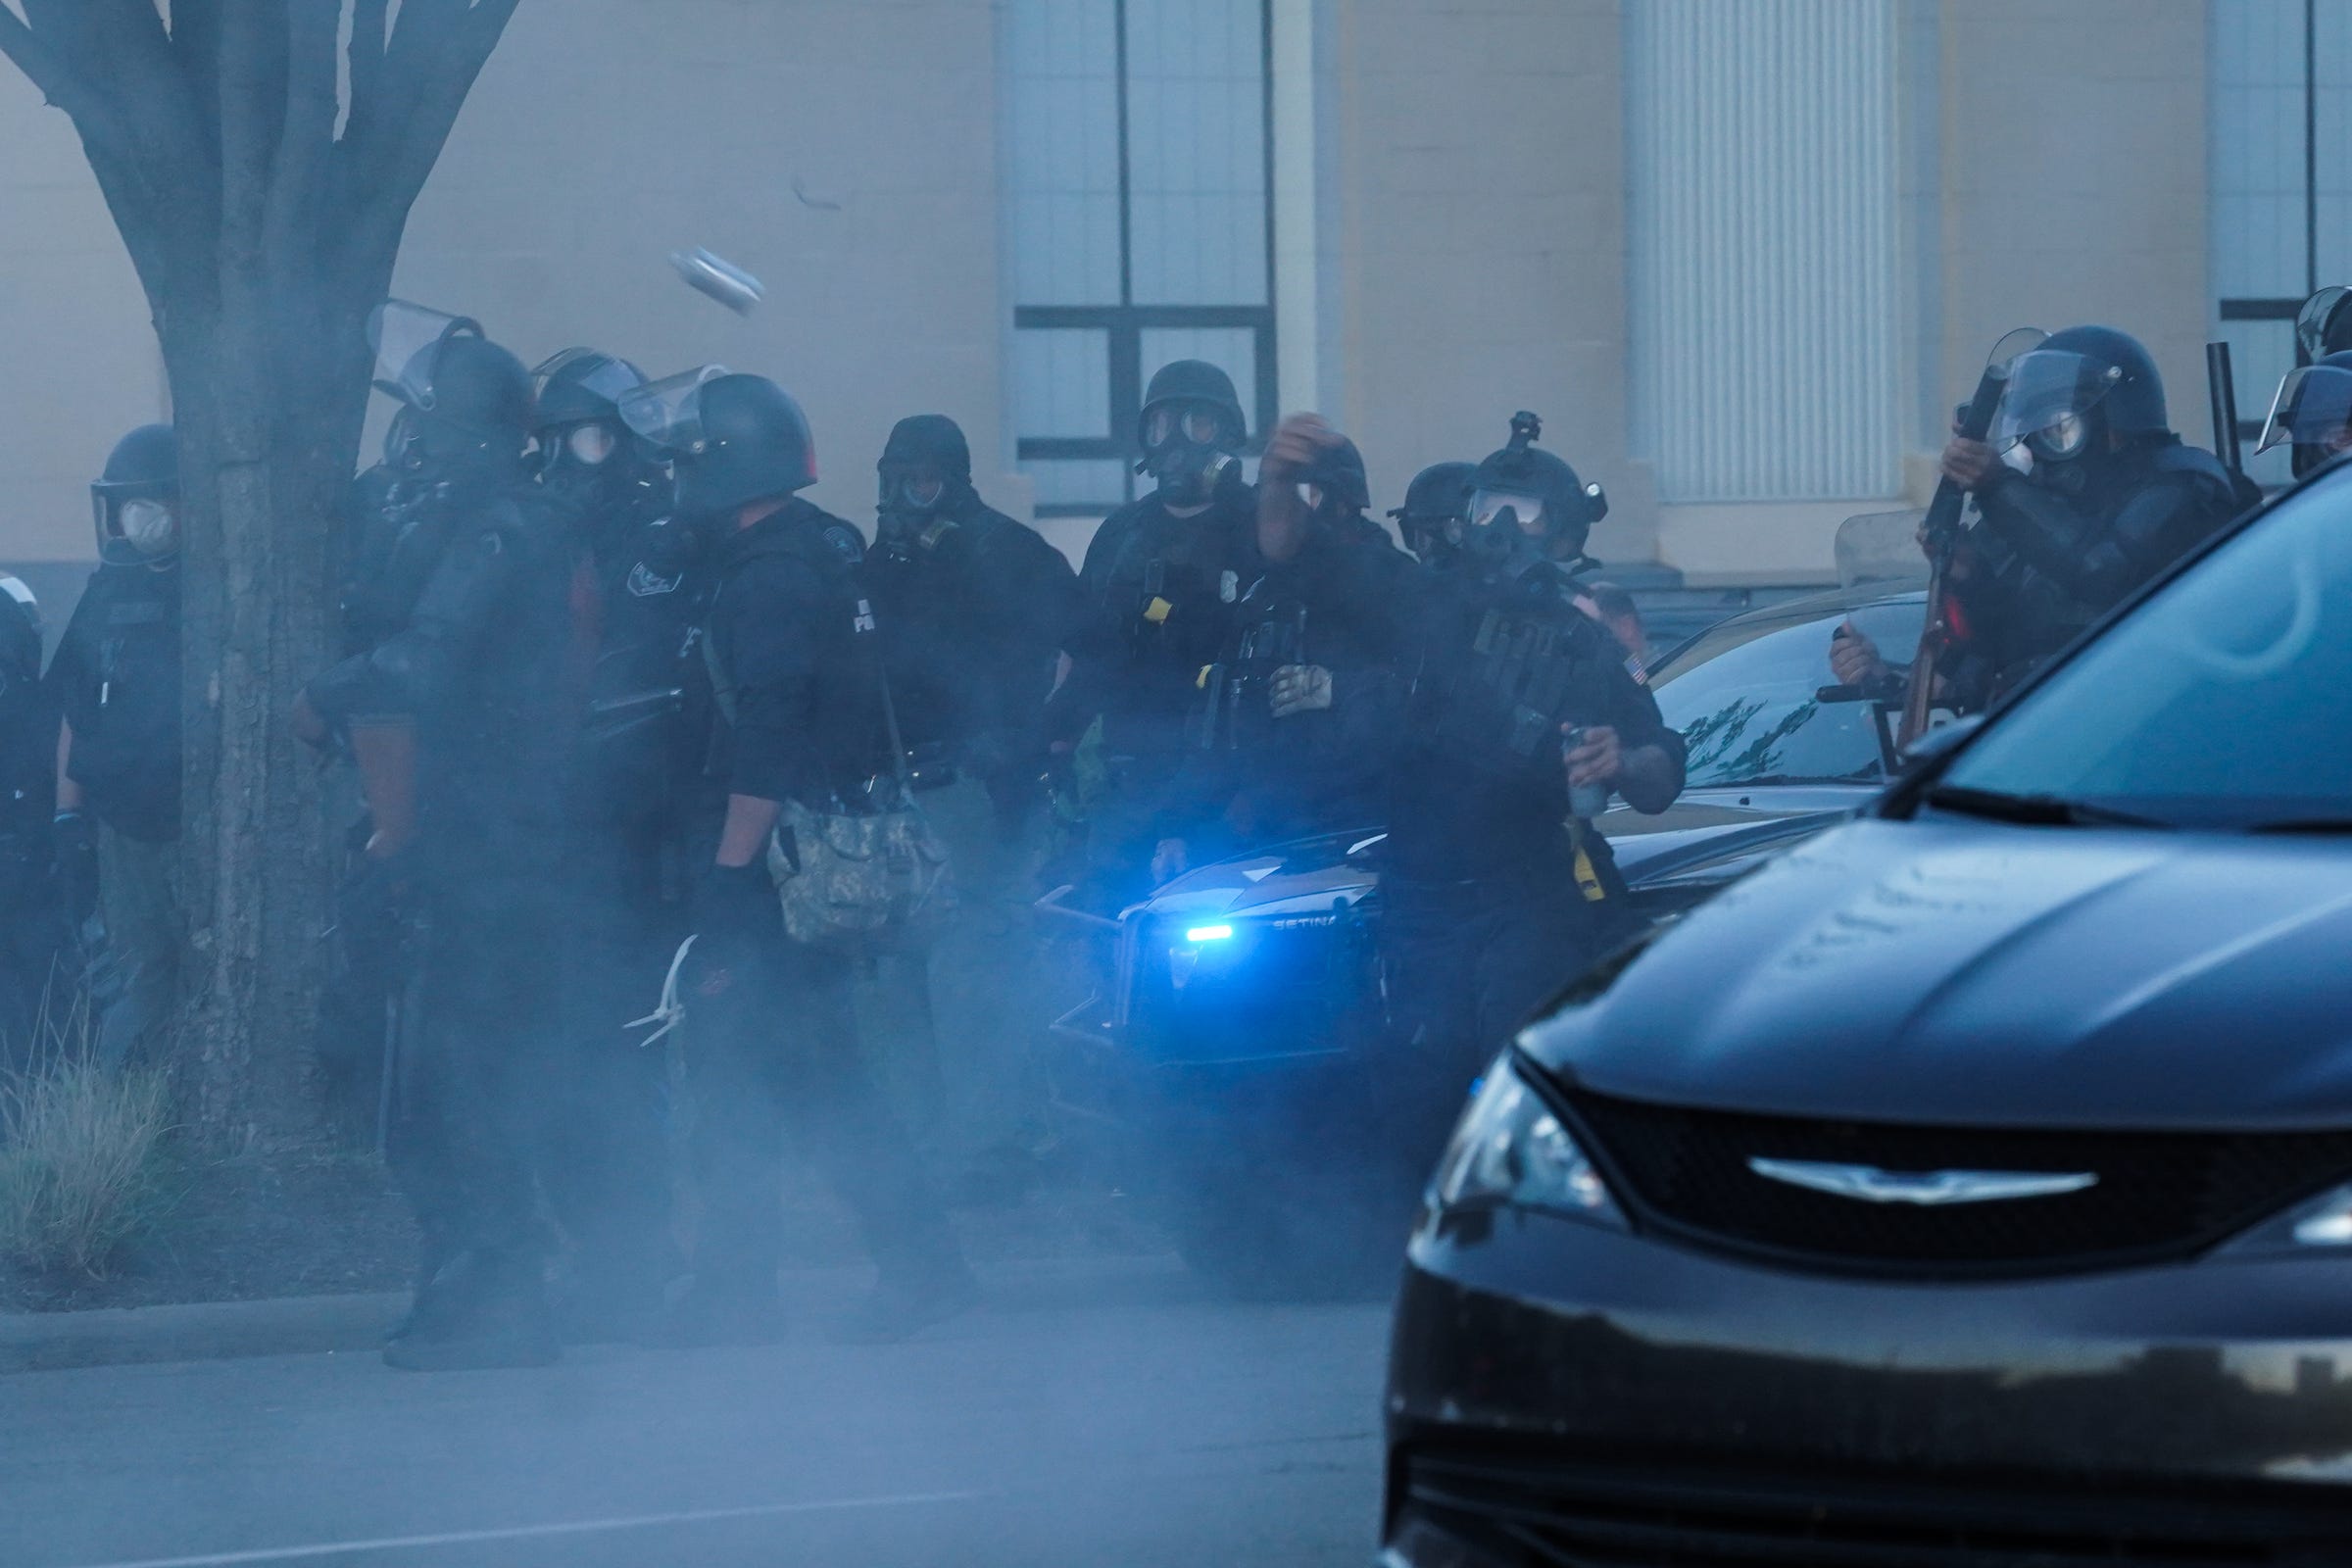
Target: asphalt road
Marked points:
1097	1414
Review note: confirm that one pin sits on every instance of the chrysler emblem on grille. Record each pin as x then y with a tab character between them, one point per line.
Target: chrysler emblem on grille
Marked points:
1930	1188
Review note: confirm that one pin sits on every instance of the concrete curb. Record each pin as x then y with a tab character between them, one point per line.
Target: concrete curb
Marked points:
45	1341
307	1325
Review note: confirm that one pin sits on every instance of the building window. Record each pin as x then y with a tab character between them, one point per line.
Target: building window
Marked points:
1762	209
1139	180
2280	185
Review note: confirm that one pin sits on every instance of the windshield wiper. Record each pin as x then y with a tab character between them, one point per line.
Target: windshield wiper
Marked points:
2051	810
2317	826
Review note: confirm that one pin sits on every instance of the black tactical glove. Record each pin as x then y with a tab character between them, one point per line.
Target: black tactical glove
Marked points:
735	914
76	851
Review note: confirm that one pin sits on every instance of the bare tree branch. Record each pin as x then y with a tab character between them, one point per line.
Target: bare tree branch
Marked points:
369	40
121	47
437	52
62	85
196	44
306	139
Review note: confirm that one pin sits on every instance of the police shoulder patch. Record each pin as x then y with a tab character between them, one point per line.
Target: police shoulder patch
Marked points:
646	583
847	543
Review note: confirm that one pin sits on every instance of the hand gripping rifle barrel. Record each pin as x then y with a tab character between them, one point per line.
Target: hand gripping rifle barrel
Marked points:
1941	530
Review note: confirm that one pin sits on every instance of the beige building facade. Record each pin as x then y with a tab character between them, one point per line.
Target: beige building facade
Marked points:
1742	255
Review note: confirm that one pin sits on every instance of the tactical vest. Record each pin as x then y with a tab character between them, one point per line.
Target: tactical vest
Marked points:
1235	708
846	740
1531	667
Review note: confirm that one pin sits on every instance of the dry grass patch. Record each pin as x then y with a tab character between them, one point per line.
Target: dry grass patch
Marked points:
84	1167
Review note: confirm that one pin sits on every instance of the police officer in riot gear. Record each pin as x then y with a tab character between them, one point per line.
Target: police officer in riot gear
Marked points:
1160	581
974	611
587	458
772	1032
977	608
117	677
1519	721
464	719
2313	410
1436	511
32	923
2082	492
606	1170
1272	760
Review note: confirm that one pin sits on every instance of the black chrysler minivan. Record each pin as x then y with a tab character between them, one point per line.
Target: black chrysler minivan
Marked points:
1972	1184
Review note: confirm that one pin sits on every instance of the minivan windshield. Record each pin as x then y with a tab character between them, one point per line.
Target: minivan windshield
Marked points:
2219	703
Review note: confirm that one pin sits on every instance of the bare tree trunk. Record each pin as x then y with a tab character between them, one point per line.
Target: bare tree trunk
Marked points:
262	202
255	869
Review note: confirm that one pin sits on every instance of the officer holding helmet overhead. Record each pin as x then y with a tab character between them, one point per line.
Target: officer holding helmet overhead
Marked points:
1160	581
117	677
2082	492
1273	756
1520	722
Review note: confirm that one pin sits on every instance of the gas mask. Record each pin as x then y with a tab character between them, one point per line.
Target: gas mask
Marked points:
913	498
1187	447
588	464
138	530
2061	455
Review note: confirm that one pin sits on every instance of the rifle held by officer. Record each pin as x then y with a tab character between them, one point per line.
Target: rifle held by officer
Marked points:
1941	533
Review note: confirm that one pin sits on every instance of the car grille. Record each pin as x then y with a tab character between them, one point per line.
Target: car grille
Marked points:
2158	1194
1517	1512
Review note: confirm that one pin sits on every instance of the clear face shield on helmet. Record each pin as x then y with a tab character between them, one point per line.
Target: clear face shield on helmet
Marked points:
610	380
136	530
407	339
2313	410
668	413
2047	404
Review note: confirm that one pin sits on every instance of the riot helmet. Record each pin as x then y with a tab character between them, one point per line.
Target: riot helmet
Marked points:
469	400
136	501
1191	429
732	439
586	452
925	473
2313	410
1436	509
2324	326
1524	500
2065	397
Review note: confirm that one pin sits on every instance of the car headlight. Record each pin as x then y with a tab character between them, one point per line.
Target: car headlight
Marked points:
1512	1151
2316	1227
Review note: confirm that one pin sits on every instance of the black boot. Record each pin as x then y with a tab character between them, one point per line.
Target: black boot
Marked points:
481	1309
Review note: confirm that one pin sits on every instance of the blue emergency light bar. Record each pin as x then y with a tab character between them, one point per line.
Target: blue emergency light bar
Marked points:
1208	933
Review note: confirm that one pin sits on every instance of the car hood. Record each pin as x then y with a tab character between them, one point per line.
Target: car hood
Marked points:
1949	972
1700	829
